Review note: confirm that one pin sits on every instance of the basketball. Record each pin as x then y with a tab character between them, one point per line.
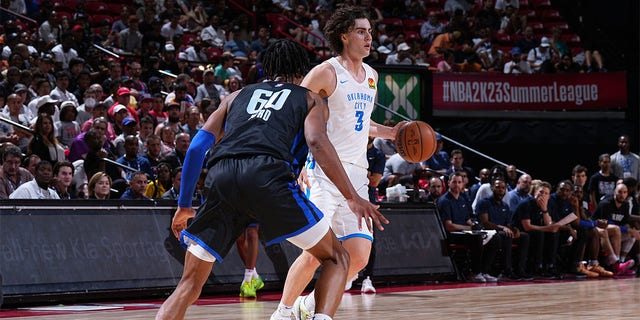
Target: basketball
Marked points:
416	141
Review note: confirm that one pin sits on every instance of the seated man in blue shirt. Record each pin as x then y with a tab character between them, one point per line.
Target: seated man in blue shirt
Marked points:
137	185
455	211
494	214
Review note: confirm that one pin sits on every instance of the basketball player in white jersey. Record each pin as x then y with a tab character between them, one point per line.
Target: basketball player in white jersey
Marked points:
349	85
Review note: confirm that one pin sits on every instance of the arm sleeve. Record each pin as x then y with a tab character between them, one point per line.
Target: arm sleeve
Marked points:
193	160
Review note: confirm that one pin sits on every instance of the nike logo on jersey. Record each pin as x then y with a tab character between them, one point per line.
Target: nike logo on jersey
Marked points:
343	81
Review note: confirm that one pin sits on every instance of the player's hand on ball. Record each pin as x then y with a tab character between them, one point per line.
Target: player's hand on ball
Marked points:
180	219
365	209
397	128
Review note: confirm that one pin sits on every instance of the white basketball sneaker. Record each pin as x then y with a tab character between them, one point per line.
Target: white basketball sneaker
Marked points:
367	286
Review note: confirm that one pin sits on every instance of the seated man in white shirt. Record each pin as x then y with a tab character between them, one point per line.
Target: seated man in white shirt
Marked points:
37	188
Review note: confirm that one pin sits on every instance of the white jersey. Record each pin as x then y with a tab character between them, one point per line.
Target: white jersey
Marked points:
350	108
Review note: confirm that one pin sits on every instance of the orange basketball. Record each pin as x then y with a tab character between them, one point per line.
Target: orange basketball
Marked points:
416	141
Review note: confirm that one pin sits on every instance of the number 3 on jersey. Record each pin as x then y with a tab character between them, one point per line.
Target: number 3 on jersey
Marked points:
359	121
263	100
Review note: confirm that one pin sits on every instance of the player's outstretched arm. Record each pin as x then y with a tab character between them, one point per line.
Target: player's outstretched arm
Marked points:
326	156
202	141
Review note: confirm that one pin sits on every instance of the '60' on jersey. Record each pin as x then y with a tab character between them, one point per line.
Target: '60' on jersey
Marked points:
263	101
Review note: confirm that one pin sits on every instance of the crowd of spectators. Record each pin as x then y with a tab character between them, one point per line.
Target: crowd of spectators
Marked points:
101	107
519	227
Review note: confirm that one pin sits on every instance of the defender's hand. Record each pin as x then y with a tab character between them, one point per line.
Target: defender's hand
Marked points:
179	221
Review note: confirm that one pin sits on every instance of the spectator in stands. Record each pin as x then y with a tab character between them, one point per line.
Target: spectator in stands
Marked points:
130	38
176	157
174	192
67	128
30	162
6	85
133	160
537	56
192	121
10	133
137	186
625	163
528	42
492	59
488	16
64	52
221	70
208	88
593	61
237	45
533	217
456	214
99	186
520	193
170	9
402	56
431	28
38	188
214	34
167	137
484	191
61	92
439	161
435	189
196	52
168	60
484	176
387	146
517	64
50	29
153	147
603	182
573	234
198	18
512	23
442	43
44	142
122	20
62	178
600	237
615	210
397	170
493	214
129	128
450	6
161	182
567	65
13	175
457	163
146	129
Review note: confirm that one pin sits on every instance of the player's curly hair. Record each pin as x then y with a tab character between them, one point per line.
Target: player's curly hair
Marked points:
341	22
286	59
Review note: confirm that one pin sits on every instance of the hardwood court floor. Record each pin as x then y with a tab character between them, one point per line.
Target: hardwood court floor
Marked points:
585	300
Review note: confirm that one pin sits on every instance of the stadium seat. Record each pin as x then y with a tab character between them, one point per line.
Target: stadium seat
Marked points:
541	4
187	38
413	24
412	36
548	26
97	7
395	23
97	19
548	15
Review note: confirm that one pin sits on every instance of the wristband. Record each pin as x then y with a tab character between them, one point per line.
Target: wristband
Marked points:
202	141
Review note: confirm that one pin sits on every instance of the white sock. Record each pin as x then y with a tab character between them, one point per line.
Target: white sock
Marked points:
593	263
613	259
310	301
248	273
284	310
623	258
254	274
321	316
